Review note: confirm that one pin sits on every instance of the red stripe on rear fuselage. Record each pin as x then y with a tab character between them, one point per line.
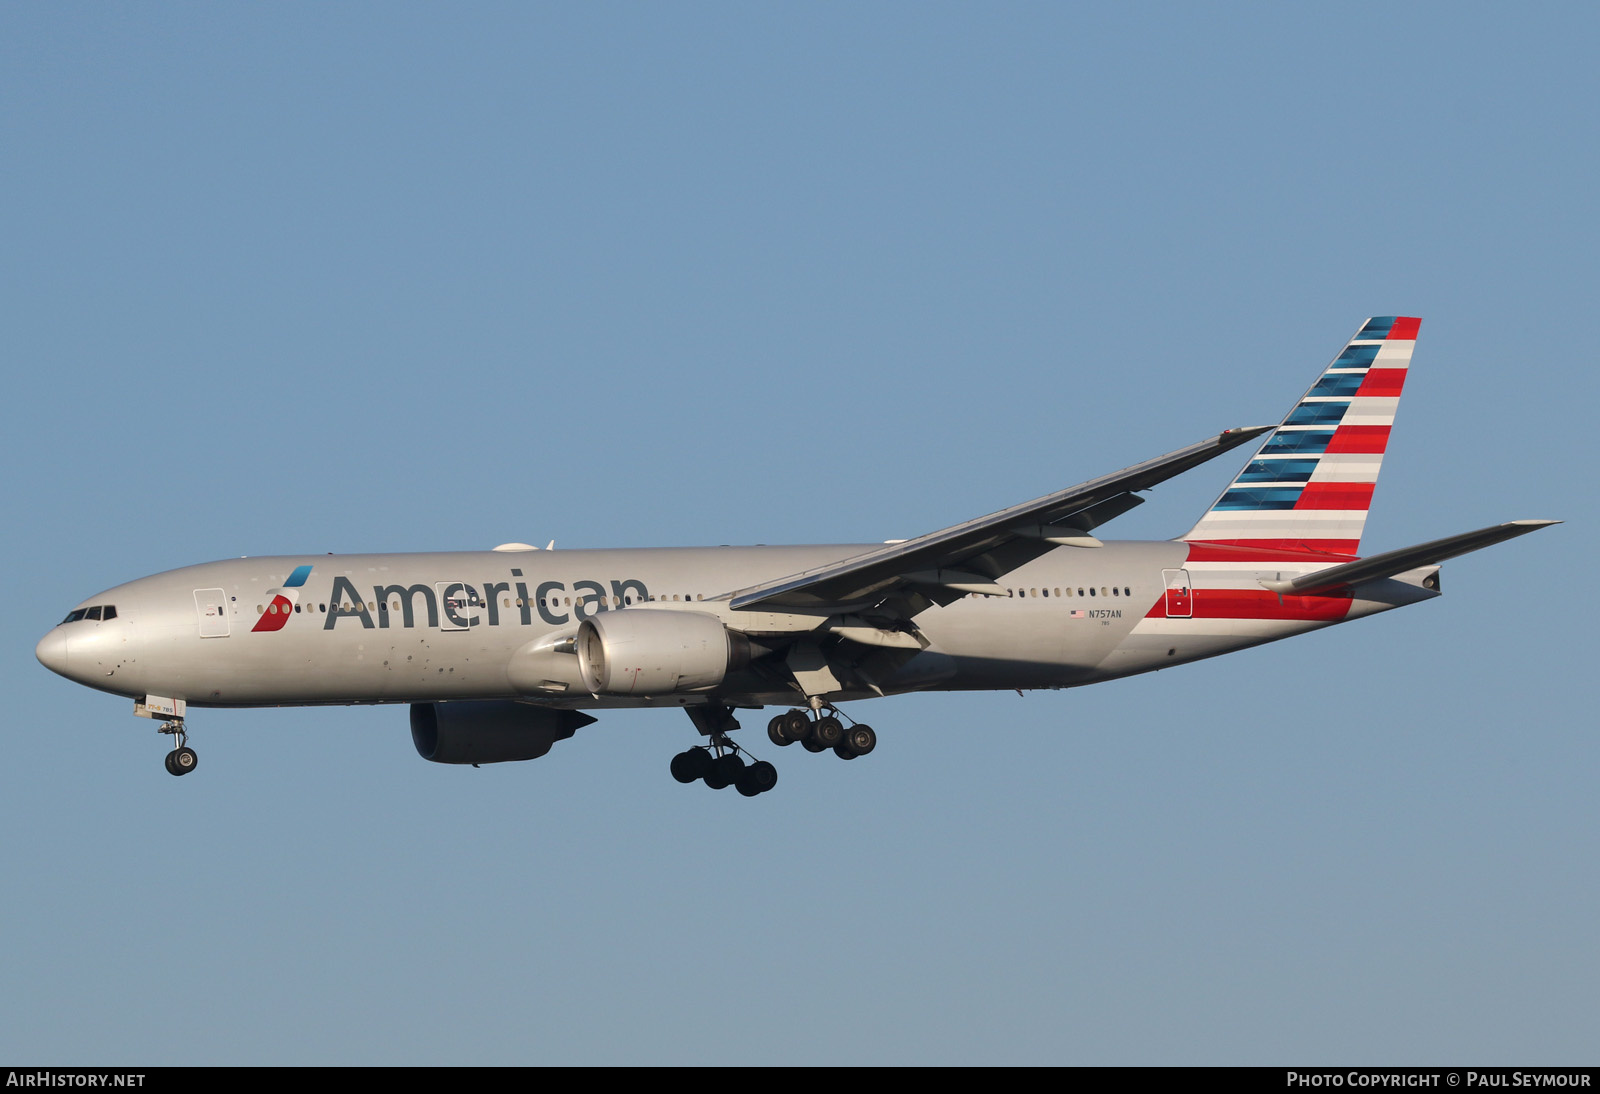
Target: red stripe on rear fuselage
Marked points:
1256	551
1256	604
1263	604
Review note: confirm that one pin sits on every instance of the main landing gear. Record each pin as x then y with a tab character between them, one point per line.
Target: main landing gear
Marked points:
720	763
822	733
181	760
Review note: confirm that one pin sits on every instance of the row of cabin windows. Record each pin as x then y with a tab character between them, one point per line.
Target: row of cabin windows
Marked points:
551	602
101	612
618	601
1105	590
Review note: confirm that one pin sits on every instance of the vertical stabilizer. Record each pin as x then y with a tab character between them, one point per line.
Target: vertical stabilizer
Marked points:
1309	486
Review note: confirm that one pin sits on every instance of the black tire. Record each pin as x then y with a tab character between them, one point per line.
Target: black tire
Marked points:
758	778
171	769
811	745
184	760
725	771
796	726
686	767
828	731
842	751
861	740
776	731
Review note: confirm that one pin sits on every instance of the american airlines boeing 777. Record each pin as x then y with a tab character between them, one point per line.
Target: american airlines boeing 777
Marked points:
499	653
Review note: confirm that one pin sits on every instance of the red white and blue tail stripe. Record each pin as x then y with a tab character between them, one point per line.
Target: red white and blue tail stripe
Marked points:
1309	486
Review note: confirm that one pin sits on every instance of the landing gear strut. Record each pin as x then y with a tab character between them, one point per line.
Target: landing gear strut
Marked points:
181	760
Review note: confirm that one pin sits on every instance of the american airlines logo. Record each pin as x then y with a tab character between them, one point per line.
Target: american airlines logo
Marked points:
283	601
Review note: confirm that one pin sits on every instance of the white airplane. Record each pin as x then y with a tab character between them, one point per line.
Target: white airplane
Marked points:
498	653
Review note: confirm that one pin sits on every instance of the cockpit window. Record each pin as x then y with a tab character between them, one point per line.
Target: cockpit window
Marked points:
101	612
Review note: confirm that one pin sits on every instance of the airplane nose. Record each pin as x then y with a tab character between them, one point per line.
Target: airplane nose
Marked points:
52	651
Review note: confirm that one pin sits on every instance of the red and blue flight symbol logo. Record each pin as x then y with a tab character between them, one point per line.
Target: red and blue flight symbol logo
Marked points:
283	601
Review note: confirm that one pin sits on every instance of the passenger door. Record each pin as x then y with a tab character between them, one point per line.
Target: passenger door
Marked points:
212	606
1180	596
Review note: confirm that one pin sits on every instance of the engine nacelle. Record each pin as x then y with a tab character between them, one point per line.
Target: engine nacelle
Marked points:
651	651
489	731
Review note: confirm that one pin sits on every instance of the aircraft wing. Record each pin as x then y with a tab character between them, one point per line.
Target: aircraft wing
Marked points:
1338	579
943	566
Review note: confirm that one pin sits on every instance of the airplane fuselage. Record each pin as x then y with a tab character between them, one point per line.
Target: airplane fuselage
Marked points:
408	628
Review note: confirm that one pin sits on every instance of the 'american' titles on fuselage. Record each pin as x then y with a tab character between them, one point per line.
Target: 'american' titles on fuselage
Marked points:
459	602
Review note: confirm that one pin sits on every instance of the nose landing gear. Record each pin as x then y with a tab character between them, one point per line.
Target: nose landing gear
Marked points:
181	760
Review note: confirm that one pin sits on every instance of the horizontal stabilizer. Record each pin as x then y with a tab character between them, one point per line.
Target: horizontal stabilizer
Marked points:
1406	558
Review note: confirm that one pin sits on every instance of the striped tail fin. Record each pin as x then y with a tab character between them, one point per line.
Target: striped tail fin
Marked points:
1309	486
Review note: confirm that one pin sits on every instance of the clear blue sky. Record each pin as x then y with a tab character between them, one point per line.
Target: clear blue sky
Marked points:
304	278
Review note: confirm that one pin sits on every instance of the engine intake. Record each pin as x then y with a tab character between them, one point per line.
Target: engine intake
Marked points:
650	651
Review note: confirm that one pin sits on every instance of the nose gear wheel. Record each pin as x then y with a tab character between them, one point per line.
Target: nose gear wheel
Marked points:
181	760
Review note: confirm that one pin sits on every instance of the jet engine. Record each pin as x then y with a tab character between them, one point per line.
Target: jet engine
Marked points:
489	731
644	651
